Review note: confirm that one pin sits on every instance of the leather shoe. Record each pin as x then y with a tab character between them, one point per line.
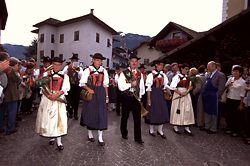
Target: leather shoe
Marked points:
76	117
189	133
210	132
139	142
60	147
162	135
152	134
70	116
176	131
125	137
101	143
52	142
91	139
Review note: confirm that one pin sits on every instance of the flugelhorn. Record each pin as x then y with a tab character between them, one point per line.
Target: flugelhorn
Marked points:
50	67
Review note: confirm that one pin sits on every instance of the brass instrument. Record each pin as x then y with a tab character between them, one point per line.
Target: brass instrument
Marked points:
50	67
76	69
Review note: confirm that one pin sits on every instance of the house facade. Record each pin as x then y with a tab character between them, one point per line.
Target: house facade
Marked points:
3	16
83	36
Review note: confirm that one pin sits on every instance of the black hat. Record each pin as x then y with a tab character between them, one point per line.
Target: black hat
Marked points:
134	55
98	56
74	56
46	59
141	66
57	59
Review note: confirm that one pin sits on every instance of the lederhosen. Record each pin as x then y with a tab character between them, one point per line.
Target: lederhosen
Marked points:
73	96
158	111
130	103
94	113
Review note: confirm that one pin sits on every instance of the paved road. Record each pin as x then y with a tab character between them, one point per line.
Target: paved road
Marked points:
27	148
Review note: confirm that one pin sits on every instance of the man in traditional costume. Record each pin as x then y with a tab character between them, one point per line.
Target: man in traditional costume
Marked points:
95	80
131	84
74	71
52	116
156	83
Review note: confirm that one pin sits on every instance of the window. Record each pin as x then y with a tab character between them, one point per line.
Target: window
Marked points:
61	38
176	35
41	54
61	56
146	61
76	35
52	38
107	62
97	38
52	54
41	38
108	43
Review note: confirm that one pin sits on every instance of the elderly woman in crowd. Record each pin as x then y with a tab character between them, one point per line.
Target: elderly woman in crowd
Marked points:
235	96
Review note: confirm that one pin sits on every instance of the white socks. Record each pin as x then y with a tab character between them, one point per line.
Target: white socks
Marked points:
176	128
187	129
59	141
100	136
151	129
160	129
90	134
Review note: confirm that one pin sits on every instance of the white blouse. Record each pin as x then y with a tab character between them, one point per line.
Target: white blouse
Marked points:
86	73
65	85
150	80
124	85
175	81
237	90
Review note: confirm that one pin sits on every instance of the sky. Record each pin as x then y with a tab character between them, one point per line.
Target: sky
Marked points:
144	17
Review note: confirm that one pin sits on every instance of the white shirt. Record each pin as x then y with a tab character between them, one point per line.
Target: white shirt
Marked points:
65	71
150	80
86	73
36	73
124	85
175	81
65	85
237	90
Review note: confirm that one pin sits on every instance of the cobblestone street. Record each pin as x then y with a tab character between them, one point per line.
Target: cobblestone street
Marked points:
27	148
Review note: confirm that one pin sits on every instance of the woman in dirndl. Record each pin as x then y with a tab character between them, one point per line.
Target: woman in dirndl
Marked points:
181	110
156	82
95	80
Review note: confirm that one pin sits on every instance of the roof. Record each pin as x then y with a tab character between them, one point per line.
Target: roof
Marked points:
216	30
168	28
3	14
58	23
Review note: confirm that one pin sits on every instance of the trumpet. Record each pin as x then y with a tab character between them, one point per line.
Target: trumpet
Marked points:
76	69
50	67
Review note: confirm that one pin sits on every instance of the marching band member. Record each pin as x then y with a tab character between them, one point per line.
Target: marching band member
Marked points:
156	82
52	117
131	84
95	80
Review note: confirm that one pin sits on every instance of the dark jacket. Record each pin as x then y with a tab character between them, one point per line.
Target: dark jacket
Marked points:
11	92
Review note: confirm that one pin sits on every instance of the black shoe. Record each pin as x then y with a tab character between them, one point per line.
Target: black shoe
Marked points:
210	132
52	142
18	118
152	134
139	142
176	131
203	129
70	116
188	133
162	135
11	132
91	139
76	117
60	147
234	135
2	130
125	137
228	132
101	143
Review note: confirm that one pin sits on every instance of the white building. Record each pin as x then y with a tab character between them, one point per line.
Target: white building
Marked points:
83	35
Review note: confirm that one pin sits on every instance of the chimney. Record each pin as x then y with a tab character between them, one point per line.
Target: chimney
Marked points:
91	11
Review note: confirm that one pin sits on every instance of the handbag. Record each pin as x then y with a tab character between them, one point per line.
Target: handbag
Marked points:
167	94
85	95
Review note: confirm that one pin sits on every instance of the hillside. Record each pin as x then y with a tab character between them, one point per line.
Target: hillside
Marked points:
15	50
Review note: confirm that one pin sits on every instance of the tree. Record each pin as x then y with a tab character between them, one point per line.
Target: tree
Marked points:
31	51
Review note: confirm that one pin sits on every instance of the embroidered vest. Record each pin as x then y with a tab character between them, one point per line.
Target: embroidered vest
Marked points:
158	82
73	76
129	78
96	78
